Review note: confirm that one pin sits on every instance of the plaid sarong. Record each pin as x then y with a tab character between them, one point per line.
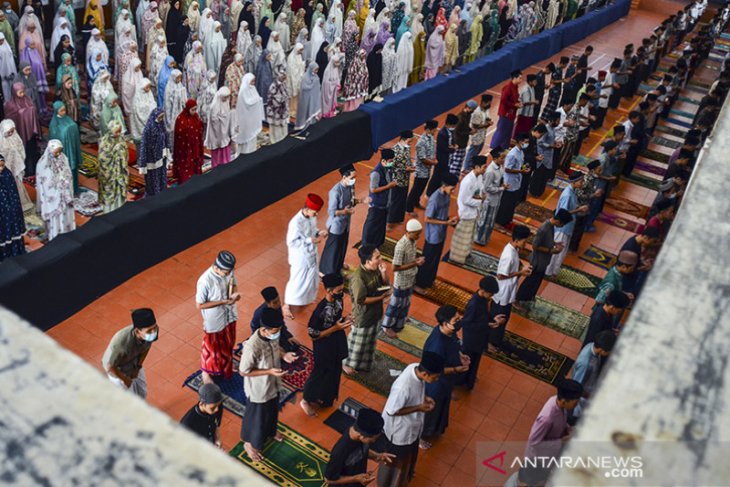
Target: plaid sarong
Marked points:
461	241
397	311
456	161
361	347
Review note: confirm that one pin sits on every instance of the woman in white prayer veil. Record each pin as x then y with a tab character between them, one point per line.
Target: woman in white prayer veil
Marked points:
370	23
206	24
317	37
123	41
278	58
295	72
54	190
218	131
158	54
123	21
244	39
417	26
132	77
13	149
175	98
59	31
282	27
194	16
8	69
144	105
213	48
142	7
403	62
382	16
249	115
99	92
339	17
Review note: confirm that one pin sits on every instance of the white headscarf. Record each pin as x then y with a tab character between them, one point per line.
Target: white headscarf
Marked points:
337	11
249	111
131	79
12	148
144	104
61	29
295	70
282	27
278	58
244	40
218	132
54	184
213	48
8	69
317	38
206	24
175	97
99	44
403	62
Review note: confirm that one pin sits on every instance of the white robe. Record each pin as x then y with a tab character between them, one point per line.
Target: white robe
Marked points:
54	188
304	272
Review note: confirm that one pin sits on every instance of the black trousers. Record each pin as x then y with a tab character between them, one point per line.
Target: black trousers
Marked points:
333	255
397	207
470	377
414	197
539	180
374	229
578	230
507	205
434	183
259	422
530	286
427	272
496	335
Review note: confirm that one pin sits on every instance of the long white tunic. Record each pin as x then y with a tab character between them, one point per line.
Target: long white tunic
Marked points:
304	272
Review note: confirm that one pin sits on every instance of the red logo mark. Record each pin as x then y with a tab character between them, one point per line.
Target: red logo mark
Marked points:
488	462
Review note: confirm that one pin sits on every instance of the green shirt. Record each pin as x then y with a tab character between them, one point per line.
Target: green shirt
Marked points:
365	284
612	281
124	352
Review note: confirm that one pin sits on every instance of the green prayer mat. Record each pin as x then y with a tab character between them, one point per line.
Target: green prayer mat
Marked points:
379	379
655	155
671	131
519	353
682	113
549	314
644	181
599	257
296	461
569	277
664	142
687	99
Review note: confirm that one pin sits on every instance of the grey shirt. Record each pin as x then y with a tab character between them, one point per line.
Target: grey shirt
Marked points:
340	197
493	184
260	353
543	238
124	352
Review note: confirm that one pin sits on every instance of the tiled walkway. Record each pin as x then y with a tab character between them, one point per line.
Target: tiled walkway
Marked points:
505	401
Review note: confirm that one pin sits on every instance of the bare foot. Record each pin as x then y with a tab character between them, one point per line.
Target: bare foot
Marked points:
424	445
286	311
309	410
207	379
492	349
349	370
278	437
390	333
419	290
252	452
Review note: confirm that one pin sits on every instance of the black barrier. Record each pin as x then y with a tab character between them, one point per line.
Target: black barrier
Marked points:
49	285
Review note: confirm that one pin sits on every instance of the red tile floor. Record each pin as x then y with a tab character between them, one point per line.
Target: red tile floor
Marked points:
505	401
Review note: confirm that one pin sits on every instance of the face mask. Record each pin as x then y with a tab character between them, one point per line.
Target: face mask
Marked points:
275	336
525	146
388	164
150	337
457	326
338	296
351	182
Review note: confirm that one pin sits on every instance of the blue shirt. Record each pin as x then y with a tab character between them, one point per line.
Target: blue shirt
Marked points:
437	209
447	347
515	159
569	201
340	197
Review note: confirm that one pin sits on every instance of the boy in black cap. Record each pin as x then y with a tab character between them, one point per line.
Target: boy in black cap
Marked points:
349	457
476	323
216	297
261	369
551	430
381	183
425	159
543	248
127	350
204	418
273	301
340	206
404	413
329	345
402	169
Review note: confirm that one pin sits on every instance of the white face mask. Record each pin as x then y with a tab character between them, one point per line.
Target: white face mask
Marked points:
351	182
150	337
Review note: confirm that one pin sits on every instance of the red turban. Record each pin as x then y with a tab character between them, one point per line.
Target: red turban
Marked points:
314	202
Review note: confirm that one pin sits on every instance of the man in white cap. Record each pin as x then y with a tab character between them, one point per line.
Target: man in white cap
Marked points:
216	297
405	268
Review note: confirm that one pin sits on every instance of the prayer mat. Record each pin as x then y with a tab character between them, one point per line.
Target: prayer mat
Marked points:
599	257
518	352
35	229
696	89
644	181
650	168
539	213
629	207
569	277
617	221
383	373
87	203
656	155
234	397
296	461
664	142
89	164
687	99
557	317
682	113
345	416
297	372
699	84
679	122
671	131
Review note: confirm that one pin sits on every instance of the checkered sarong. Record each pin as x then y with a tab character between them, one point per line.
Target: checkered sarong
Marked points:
361	347
397	311
461	241
456	161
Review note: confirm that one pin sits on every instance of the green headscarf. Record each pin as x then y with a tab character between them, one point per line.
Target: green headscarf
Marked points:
70	70
66	130
110	113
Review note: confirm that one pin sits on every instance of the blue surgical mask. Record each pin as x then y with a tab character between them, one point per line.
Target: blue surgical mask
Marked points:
275	336
525	146
150	337
351	182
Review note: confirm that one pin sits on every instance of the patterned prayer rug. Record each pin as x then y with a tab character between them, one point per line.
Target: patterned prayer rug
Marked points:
35	228
664	142
688	99
569	277
629	207
295	462
617	221
383	373
599	257
682	113
650	168
671	131
87	203
656	155
518	352
549	314
681	123
530	210
644	181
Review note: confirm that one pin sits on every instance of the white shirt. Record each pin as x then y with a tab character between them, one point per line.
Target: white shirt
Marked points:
468	206
509	263
606	89
407	391
212	287
624	145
